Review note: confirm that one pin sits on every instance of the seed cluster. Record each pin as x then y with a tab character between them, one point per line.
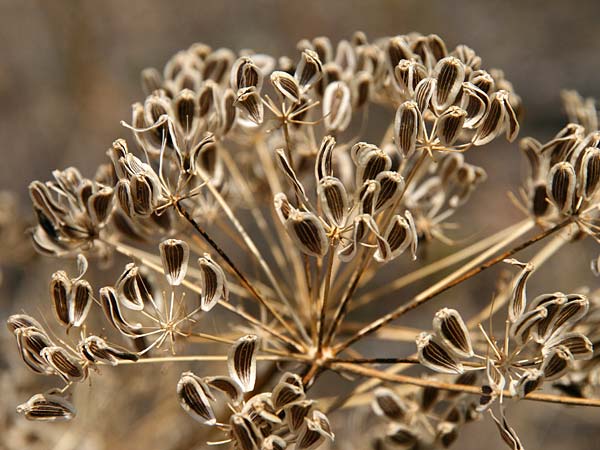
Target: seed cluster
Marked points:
248	187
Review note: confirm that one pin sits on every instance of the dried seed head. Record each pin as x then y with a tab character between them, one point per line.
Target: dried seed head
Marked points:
131	289
557	361
95	349
212	283
228	386
391	187
30	342
285	165
589	173
68	367
435	356
402	436
450	124
367	195
245	73
47	408
17	321
398	237
560	187
361	89
407	75
100	205
323	162
475	102
286	85
194	397
285	393
307	231
80	302
60	288
571	312
530	381
241	361
578	345
333	200
407	127
174	255
540	203
144	194
314	432
370	160
273	442
337	108
249	101
424	93
454	334
295	414
518	300
244	432
283	208
500	116
450	74
386	403
309	69
112	311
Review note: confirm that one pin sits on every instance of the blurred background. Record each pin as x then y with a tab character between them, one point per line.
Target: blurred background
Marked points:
69	73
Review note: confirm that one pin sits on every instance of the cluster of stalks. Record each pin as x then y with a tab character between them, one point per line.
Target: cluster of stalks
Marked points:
246	187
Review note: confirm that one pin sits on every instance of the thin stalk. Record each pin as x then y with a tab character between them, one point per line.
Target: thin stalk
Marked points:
157	268
453	281
439	265
366	259
238	273
475	390
326	289
200	358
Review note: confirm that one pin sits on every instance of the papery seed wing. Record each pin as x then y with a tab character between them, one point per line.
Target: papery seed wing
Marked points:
433	355
174	255
212	283
47	408
241	361
194	398
453	332
80	302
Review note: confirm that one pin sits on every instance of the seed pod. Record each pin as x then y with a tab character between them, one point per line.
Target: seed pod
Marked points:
530	381
217	64
424	93
539	200
47	408
361	89
508	434
100	205
144	194
60	287
229	111
391	187
185	110
560	187
244	433
273	442
112	311
578	345
17	321
402	436
285	165
245	73
475	102
30	342
194	398
557	361
241	361
80	302
286	85
450	74
407	75
208	101
285	393
398	237
95	349
454	334
367	195
500	116
249	101
337	108
151	80
228	386
386	403
397	50
450	124
518	300
212	283
552	304
407	127
333	200
314	432
63	363
131	289
433	354
174	255
309	69
295	414
589	173
571	312
307	232
362	225
283	208
370	161
323	162
446	433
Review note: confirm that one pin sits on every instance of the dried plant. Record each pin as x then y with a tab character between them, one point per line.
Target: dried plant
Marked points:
247	188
